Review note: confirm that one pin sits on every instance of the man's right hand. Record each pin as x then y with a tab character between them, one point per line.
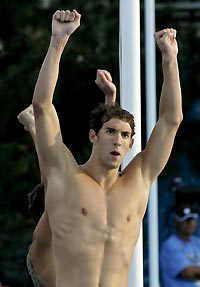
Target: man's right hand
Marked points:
65	22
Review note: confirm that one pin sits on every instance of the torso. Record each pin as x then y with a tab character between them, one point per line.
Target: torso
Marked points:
41	253
94	231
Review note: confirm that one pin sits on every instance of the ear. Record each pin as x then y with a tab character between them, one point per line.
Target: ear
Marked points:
131	143
92	136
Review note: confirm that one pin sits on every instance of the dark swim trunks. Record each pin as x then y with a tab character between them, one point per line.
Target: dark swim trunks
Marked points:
34	278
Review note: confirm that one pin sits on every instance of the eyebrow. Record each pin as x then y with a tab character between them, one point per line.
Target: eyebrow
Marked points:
113	129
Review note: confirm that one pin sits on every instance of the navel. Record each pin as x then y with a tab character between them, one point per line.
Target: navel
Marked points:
99	284
128	218
84	211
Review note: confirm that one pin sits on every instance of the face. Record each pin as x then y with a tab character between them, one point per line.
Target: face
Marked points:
187	227
113	142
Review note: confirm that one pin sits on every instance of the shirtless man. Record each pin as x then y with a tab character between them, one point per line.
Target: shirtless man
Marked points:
40	267
94	211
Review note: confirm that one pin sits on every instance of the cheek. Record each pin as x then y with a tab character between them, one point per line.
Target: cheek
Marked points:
194	225
104	144
104	140
127	145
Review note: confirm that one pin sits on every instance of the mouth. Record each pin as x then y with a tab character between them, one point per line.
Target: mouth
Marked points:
115	153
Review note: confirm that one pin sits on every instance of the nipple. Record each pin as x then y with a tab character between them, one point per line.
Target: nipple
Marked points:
128	218
84	211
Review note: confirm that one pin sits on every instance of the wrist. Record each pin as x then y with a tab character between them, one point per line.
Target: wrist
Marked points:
169	57
58	41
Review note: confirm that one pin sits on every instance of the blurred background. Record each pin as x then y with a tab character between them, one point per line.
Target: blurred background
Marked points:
25	29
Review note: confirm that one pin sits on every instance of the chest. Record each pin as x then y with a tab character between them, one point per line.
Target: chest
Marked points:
191	251
87	210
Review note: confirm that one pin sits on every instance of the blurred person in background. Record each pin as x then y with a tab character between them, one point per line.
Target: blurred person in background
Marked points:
180	252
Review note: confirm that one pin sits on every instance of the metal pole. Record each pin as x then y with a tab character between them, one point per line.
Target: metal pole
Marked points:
130	99
151	115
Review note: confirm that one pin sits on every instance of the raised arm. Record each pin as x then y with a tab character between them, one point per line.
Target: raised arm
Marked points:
64	23
159	146
104	82
171	99
49	139
26	118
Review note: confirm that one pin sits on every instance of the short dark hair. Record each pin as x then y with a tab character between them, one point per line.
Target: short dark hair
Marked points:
103	113
36	202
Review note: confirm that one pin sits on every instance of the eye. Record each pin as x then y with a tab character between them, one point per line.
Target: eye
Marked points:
126	135
110	131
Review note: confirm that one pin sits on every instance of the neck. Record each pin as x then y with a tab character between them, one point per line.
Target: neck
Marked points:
103	176
184	237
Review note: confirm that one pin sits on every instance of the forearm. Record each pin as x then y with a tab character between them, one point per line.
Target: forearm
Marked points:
191	273
47	79
110	98
104	82
32	132
171	100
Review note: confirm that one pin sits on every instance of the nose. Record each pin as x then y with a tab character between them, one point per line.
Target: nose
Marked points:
117	144
117	140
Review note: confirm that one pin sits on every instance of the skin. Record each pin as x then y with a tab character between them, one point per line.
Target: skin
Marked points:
40	251
94	212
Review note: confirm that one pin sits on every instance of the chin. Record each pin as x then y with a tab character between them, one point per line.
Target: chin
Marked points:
114	165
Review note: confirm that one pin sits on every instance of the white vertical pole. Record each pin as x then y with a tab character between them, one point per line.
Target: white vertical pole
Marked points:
151	116
130	99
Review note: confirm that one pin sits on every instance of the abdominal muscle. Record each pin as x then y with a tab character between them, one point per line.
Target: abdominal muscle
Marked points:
90	261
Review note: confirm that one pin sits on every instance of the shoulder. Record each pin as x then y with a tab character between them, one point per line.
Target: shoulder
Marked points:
195	239
172	242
